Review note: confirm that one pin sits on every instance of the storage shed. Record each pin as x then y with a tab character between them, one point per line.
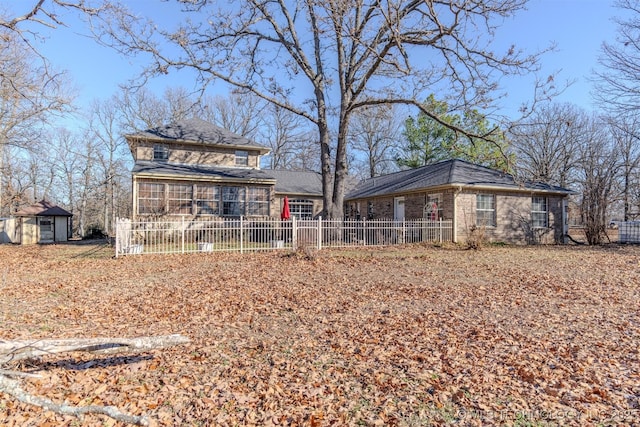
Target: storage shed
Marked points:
42	222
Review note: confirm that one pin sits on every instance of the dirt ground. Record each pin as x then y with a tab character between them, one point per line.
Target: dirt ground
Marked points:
407	336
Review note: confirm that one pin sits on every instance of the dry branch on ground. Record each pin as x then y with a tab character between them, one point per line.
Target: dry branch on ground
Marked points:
17	350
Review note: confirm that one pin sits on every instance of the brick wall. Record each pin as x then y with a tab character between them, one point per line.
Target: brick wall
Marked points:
201	155
513	219
512	211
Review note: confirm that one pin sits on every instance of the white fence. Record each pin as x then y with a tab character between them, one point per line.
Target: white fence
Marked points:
242	234
629	232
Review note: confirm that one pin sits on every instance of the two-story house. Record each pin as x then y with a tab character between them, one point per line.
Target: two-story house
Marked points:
196	169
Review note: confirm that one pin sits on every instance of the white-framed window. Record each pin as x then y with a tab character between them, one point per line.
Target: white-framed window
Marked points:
179	199
160	153
242	158
258	201
150	198
485	210
539	212
207	199
301	208
233	201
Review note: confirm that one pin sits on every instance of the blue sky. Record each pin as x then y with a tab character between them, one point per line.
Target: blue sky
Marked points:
578	27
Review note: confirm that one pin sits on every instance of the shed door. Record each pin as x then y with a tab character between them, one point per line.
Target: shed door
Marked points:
46	229
398	208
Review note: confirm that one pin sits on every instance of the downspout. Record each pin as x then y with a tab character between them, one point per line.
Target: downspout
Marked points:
454	223
134	196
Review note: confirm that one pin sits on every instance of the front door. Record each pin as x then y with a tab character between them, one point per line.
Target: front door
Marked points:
398	208
46	229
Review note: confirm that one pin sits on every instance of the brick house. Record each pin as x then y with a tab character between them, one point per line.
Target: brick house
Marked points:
469	195
192	168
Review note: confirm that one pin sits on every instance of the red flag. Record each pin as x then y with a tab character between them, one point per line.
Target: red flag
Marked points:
286	214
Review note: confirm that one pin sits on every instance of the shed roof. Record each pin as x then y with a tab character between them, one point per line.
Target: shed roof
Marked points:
43	208
447	173
197	131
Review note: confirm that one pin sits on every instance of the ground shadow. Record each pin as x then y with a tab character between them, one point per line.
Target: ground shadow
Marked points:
72	364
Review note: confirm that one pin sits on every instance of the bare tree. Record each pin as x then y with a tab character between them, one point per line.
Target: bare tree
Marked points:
617	88
375	134
624	131
29	94
287	135
547	144
140	109
597	168
112	159
325	59
240	112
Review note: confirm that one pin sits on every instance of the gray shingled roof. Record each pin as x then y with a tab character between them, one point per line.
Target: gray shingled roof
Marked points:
197	130
198	171
449	172
297	182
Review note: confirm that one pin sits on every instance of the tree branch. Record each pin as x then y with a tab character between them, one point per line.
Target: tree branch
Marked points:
12	388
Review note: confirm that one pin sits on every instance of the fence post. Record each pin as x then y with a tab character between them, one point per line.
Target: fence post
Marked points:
182	235
241	234
404	232
319	238
294	233
117	237
440	232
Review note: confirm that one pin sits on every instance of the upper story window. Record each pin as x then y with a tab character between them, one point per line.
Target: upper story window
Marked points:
539	212
242	158
160	153
485	210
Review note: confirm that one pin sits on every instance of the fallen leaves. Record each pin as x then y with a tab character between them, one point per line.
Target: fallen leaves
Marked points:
396	336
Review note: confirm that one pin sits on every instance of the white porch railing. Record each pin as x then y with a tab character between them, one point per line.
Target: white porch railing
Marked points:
244	234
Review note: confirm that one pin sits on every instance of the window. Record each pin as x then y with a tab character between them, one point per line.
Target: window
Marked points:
207	200
179	199
45	224
233	201
160	153
539	212
485	210
150	198
301	208
432	207
258	201
242	158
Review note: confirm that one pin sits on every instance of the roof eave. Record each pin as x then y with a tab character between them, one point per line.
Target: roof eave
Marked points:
261	149
186	177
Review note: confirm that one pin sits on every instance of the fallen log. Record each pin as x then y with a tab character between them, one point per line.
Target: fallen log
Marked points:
12	351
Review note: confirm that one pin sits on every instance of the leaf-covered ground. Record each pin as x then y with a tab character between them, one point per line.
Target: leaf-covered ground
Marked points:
410	336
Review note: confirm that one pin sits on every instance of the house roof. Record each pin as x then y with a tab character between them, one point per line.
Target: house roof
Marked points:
43	208
447	173
197	131
306	183
213	173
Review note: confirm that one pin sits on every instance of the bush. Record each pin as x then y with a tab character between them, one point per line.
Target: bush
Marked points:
94	232
476	238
